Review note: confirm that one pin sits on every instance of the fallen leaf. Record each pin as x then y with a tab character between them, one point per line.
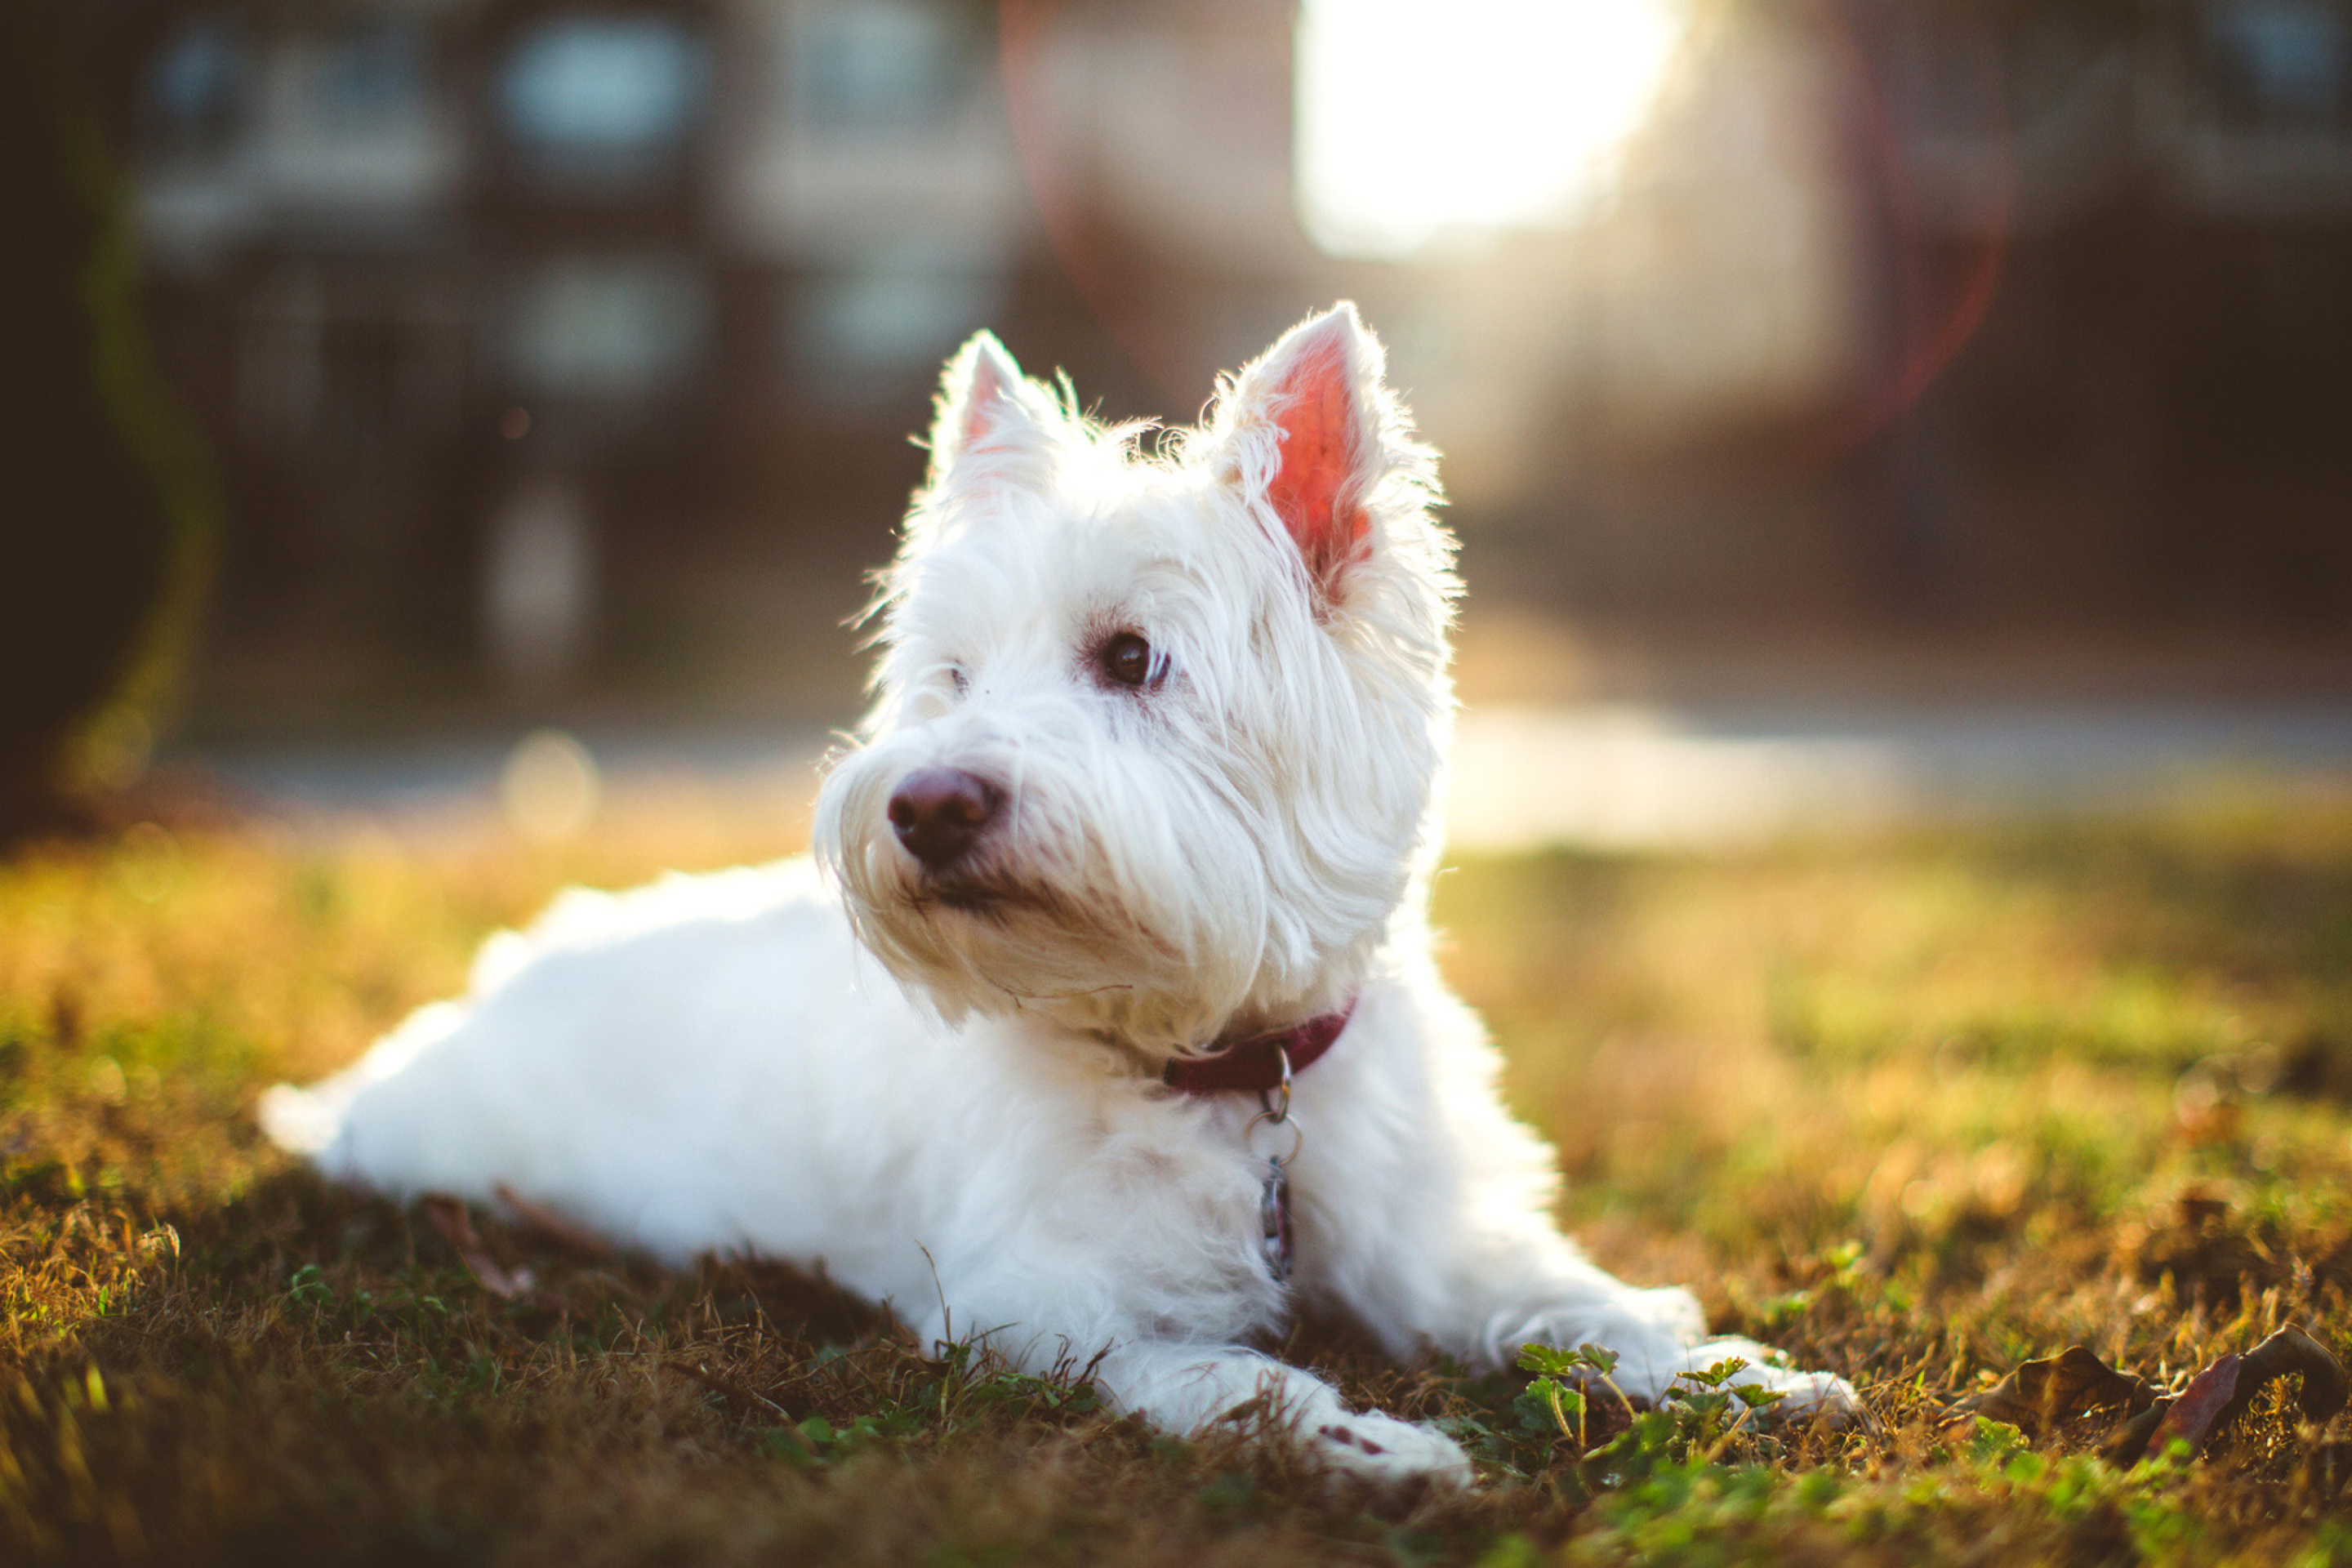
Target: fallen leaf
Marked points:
2124	1447
2222	1392
577	1237
2200	1204
2040	1393
2201	1406
2324	1385
449	1217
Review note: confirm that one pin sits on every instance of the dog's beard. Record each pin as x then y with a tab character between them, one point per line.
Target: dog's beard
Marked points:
971	895
988	891
991	944
1158	944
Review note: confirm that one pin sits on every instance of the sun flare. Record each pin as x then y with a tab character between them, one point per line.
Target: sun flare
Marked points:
1419	120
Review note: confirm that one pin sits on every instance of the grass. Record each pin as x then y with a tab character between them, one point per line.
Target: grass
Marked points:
1914	1110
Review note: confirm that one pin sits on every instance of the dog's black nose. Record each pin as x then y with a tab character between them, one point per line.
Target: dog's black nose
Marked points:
941	812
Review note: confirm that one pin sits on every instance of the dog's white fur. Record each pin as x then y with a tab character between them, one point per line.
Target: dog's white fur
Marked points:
944	1090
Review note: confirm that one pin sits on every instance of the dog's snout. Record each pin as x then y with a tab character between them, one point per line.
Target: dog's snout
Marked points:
940	813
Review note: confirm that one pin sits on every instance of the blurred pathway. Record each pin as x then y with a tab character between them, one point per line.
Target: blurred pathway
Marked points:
1629	777
1605	777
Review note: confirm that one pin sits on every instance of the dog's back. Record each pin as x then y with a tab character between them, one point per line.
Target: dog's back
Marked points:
669	1066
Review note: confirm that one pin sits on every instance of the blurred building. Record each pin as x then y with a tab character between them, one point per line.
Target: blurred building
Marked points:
497	308
2154	203
510	317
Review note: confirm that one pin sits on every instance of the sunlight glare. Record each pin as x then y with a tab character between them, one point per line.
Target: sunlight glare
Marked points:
1417	118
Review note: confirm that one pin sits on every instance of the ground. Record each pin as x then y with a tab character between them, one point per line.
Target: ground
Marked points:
1915	1107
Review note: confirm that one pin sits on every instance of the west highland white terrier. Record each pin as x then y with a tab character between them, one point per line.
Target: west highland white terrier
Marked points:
1103	1019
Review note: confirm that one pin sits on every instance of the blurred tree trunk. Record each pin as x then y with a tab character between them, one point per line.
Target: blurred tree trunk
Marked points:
106	500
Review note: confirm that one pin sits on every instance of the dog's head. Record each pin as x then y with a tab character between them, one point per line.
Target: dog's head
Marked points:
1158	737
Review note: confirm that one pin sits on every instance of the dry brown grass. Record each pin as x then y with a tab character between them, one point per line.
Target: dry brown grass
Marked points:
1914	1109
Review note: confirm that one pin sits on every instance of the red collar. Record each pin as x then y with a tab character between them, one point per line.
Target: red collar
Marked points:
1254	1061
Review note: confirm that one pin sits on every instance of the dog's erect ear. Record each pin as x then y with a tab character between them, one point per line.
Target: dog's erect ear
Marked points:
993	423
1318	391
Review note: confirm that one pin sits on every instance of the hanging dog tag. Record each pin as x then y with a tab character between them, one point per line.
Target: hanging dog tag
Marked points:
1274	1197
1273	1221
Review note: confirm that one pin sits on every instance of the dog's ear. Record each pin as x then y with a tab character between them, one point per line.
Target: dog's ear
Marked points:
1319	393
993	424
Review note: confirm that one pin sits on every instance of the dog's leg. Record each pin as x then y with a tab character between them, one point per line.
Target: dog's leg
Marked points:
1655	1334
1184	1388
1479	1291
1187	1388
1431	1221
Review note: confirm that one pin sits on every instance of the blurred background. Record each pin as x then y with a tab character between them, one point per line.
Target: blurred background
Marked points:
1849	406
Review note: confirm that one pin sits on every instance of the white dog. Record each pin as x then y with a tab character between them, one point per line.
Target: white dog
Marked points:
1140	826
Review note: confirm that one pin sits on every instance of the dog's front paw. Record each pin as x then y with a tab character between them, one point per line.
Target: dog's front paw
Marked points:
1804	1396
1811	1397
1384	1449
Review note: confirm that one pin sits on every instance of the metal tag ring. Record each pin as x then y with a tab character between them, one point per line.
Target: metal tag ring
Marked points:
1276	1100
1268	1117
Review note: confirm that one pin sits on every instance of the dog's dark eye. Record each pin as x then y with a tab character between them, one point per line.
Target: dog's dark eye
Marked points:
1127	659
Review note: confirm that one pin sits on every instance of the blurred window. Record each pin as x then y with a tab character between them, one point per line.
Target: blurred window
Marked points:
879	67
372	74
2280	62
607	329
193	100
605	86
869	332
